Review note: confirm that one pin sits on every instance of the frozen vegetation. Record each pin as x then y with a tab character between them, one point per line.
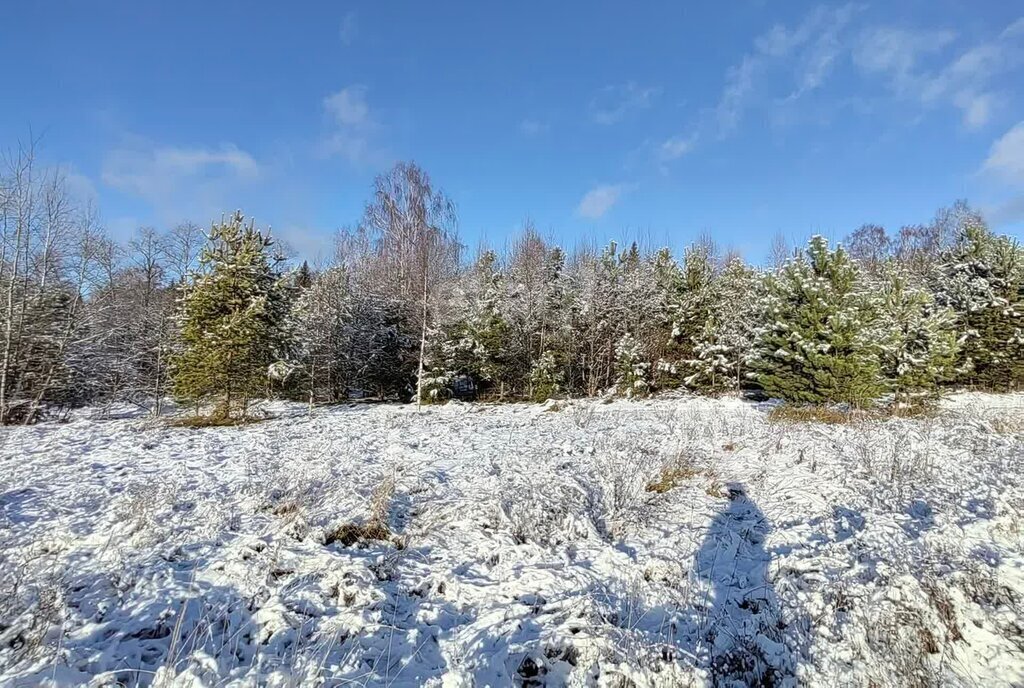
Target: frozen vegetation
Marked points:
666	542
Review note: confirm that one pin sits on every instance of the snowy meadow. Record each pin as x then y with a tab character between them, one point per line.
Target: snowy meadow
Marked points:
668	542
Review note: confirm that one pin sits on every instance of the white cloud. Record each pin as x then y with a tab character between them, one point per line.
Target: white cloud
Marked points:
599	200
348	106
533	127
805	54
181	181
79	185
897	52
801	58
977	108
676	147
613	103
153	172
1006	156
1005	162
965	82
352	127
349	28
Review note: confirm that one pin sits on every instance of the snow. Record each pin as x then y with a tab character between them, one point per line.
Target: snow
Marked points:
525	547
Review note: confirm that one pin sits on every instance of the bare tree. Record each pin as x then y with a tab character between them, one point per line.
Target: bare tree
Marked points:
780	251
414	230
180	248
869	245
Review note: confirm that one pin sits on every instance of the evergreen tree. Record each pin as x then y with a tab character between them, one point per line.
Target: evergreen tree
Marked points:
982	279
816	346
304	276
691	299
668	280
547	377
722	348
476	343
322	313
233	321
550	373
917	338
632	372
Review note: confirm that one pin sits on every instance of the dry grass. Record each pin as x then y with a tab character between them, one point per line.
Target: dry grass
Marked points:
793	413
349	534
833	415
672	476
212	421
376	527
680	470
1010	423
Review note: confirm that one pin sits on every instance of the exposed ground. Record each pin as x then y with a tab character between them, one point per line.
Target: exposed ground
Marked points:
671	542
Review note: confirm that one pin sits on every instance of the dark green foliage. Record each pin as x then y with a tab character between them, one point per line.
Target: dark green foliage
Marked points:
233	321
917	340
982	279
815	346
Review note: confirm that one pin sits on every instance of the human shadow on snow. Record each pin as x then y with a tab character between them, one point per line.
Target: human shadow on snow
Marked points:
742	628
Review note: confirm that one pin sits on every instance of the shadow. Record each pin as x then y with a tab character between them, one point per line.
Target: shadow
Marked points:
111	631
743	635
17	507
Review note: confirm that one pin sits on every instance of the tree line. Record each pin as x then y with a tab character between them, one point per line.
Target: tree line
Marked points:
217	319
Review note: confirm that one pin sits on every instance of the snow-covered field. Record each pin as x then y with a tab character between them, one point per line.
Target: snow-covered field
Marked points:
525	548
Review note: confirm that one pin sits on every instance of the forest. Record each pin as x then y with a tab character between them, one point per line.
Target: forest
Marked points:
219	318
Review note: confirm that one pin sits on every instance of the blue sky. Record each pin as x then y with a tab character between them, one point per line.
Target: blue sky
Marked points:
596	120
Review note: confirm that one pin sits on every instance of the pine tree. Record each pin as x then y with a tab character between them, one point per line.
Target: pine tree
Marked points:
982	279
722	348
669	368
690	304
816	347
476	343
233	321
917	339
547	377
632	372
550	374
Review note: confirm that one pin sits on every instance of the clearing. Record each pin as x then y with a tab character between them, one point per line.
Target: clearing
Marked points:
668	542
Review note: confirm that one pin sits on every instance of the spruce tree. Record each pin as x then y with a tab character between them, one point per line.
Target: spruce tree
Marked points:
233	321
815	346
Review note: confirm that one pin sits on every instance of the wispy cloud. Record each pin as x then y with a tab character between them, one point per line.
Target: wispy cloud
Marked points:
179	180
788	62
1006	156
676	147
905	58
348	107
599	200
805	55
1005	163
352	127
613	103
80	185
153	171
533	127
349	28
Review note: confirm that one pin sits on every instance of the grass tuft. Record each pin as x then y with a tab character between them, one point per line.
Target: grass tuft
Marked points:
213	421
794	413
349	534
